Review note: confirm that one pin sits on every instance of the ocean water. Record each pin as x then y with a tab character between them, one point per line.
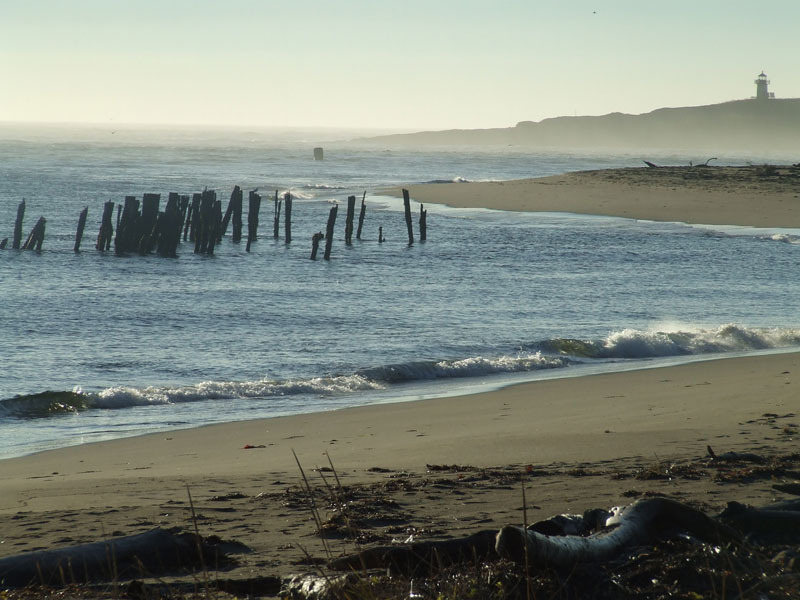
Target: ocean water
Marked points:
98	346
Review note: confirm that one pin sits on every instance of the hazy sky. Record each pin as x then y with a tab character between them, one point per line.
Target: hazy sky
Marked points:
412	64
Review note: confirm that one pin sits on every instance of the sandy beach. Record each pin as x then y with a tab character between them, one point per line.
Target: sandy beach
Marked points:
749	196
447	466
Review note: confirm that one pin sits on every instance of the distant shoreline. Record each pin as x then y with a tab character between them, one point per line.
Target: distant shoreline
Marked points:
756	196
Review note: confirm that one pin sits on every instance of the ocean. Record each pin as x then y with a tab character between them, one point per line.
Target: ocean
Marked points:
97	346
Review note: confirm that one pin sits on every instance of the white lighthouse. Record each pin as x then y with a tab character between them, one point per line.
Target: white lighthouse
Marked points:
762	85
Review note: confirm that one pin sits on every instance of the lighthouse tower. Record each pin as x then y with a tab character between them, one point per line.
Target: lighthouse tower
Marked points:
762	84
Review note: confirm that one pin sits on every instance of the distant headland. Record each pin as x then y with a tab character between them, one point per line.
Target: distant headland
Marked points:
762	123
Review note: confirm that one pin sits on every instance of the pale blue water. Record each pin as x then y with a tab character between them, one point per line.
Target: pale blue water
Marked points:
154	343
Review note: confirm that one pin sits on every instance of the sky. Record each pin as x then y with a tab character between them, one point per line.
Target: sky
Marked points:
386	64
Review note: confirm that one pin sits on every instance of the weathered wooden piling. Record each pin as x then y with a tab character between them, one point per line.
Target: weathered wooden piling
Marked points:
318	153
348	222
168	228
81	227
315	239
106	228
127	226
361	216
146	231
192	227
3	243
233	214
329	231
207	223
423	223
276	221
380	235
287	200
407	205
36	236
18	226
252	218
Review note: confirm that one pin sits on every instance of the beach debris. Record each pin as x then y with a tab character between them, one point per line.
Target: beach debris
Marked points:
157	551
637	524
735	456
320	587
251	446
772	524
81	227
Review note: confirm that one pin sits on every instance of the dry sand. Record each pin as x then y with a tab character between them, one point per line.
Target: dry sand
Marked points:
698	195
451	465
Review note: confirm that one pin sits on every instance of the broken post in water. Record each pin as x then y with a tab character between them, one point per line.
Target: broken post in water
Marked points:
192	219
168	228
127	224
348	222
361	216
329	231
81	226
147	224
276	217
423	223
315	239
106	228
233	213
18	226
36	237
318	153
380	235
252	217
407	205
287	199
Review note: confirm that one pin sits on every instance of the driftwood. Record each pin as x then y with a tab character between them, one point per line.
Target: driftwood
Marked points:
154	552
772	524
562	541
640	523
735	456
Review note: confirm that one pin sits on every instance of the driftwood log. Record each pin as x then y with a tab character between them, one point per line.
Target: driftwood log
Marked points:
596	537
153	552
638	524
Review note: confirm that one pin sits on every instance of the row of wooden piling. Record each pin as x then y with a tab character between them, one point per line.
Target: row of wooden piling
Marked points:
143	229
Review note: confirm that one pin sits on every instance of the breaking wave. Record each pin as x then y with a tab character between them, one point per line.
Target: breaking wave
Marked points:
628	344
